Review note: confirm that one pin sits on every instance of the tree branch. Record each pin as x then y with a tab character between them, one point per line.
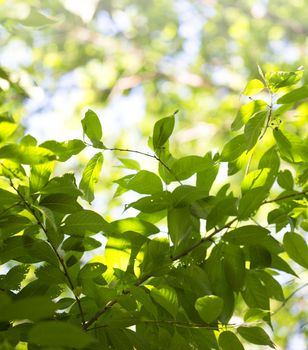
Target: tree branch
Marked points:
62	263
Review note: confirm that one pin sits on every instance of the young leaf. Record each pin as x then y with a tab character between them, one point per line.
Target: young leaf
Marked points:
162	131
144	182
92	127
277	80
255	335
234	148
296	247
229	341
90	176
253	87
209	307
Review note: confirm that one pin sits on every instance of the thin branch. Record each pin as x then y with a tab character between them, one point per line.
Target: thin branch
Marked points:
293	195
202	240
288	298
154	156
174	323
65	271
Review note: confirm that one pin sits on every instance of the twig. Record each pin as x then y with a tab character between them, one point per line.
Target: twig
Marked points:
288	298
154	156
65	271
293	195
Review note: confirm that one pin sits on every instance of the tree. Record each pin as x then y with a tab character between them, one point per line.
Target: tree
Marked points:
193	253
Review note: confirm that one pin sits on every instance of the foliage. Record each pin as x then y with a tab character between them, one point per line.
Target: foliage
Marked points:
148	288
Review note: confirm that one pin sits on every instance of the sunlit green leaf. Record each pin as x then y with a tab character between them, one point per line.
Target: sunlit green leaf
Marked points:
162	131
92	126
209	307
294	96
90	176
253	87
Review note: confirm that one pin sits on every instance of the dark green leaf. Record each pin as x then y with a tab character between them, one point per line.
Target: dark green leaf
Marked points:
246	235
80	244
61	203
154	203
255	293
229	341
255	335
166	297
234	266
251	202
33	308
56	333
285	179
296	247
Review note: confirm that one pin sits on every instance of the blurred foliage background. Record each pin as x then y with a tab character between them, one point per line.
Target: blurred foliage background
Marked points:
134	62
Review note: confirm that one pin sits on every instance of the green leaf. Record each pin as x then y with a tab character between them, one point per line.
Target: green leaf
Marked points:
273	287
291	147
246	235
64	184
277	80
253	87
259	256
64	150
296	247
129	163
39	175
156	258
255	293
234	266
26	154
133	224
141	295
144	182
90	176
7	128
181	224
294	96
209	307
184	195
32	308
256	178
185	167
8	198
253	315
167	298
247	111
228	341
234	148
162	131
15	276
253	129
80	244
154	203
255	335
57	333
91	126
285	179
61	203
206	178
251	202
85	222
